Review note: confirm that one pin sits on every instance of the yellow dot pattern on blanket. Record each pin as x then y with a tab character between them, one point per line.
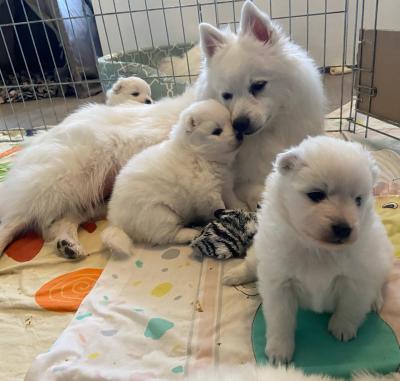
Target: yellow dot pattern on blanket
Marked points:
161	289
93	356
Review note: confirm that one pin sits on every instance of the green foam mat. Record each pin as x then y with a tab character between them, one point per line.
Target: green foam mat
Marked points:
375	349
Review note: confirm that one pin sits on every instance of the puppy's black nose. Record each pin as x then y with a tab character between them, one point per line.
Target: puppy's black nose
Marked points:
341	230
241	124
148	102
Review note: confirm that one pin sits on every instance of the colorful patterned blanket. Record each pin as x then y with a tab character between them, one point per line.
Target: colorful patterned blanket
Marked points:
162	313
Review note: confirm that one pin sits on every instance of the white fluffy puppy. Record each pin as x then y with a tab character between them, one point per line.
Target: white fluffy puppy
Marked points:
320	244
130	89
167	187
251	372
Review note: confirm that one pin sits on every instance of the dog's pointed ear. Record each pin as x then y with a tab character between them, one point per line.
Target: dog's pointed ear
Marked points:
288	161
255	22
210	39
190	123
117	86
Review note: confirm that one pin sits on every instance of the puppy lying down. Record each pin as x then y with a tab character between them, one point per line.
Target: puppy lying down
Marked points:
167	187
130	89
320	244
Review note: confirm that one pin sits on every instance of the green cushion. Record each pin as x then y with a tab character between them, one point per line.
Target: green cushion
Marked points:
143	64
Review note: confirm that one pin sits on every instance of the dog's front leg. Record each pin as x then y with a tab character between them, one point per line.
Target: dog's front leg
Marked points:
353	304
280	307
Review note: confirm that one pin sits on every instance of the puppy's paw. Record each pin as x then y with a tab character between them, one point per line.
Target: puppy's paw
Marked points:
238	275
70	249
279	351
231	278
341	329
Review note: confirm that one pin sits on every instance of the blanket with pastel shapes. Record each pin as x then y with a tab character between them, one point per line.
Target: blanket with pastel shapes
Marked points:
162	313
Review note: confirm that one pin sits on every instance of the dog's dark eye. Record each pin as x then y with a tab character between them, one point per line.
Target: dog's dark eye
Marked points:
217	131
257	87
316	196
227	96
135	94
358	201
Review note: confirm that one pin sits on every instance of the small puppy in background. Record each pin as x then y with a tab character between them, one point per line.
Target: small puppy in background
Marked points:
320	244
176	183
127	90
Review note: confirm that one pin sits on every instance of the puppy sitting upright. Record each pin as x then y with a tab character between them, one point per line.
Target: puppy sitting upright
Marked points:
130	89
165	188
320	244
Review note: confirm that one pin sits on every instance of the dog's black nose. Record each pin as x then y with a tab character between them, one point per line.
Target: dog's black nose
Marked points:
341	230
241	124
148	102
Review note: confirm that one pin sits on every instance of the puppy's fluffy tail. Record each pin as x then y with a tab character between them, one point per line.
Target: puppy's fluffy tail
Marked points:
117	241
9	229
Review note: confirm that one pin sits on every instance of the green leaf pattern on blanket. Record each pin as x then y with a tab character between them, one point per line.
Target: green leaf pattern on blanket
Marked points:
177	369
157	327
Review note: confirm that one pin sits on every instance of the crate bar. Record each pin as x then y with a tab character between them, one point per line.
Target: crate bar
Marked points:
345	22
353	78
373	63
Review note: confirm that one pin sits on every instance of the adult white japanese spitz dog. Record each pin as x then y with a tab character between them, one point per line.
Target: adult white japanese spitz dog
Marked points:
270	86
272	89
320	244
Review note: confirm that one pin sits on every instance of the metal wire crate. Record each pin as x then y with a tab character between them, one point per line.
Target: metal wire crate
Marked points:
82	32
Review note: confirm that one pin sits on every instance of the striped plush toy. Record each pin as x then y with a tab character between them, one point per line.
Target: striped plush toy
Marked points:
228	236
